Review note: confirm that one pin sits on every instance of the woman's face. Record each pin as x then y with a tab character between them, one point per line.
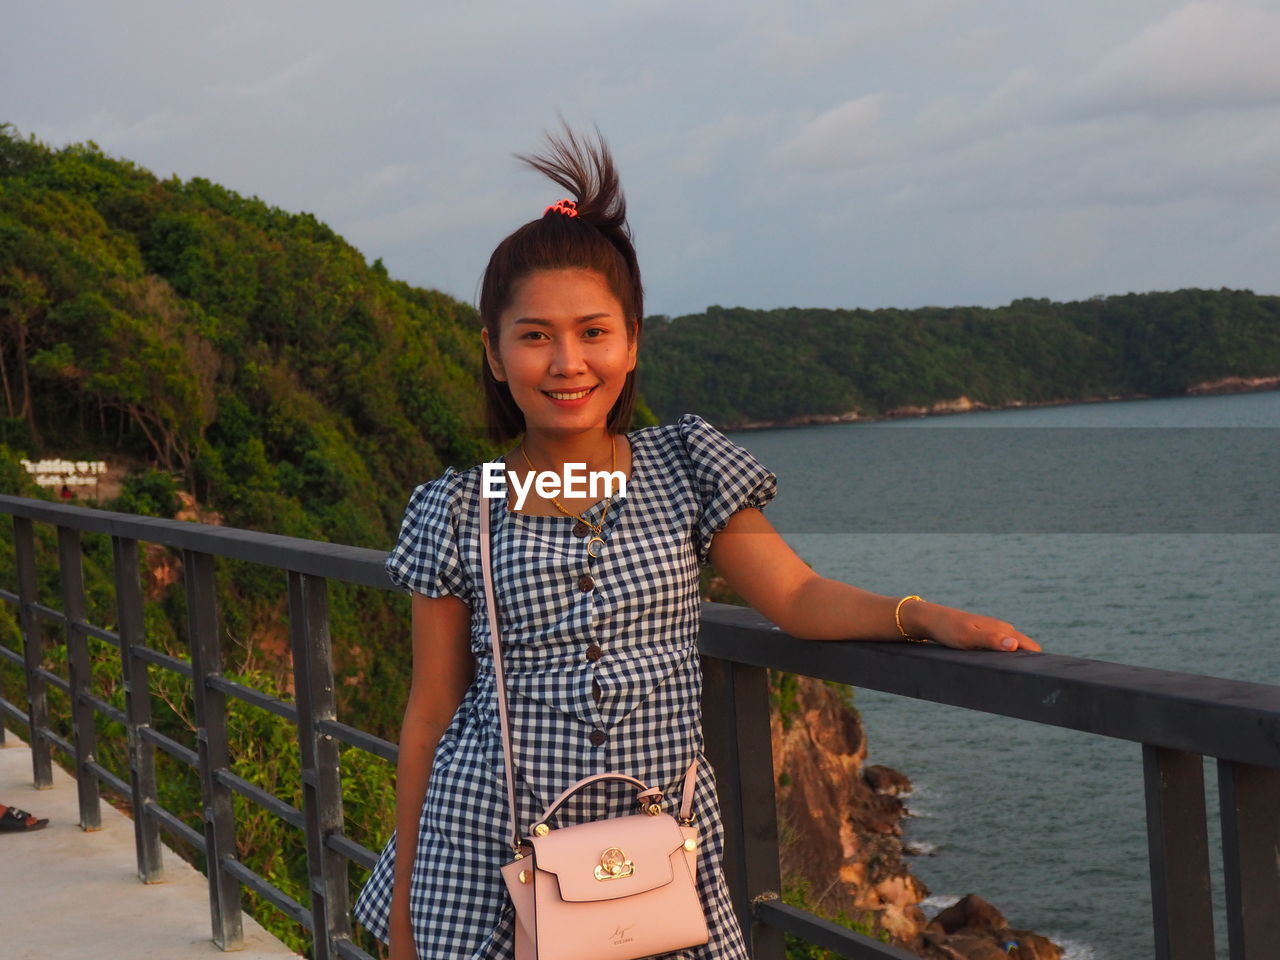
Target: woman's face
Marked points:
563	349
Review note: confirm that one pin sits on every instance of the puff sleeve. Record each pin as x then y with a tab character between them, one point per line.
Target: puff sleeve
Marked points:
727	479
426	558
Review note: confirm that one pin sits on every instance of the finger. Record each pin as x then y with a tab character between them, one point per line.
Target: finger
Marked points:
1015	640
989	634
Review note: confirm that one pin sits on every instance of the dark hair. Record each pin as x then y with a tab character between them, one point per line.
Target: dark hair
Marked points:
598	238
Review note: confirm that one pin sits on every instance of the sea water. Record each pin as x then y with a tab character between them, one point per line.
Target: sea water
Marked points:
1138	546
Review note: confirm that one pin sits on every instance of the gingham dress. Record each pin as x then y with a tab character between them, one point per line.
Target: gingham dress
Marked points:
635	708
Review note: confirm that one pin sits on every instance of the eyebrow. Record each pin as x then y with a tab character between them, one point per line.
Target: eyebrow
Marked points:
546	323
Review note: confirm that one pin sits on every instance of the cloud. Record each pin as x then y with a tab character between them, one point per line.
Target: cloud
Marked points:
1202	55
978	46
106	127
273	84
844	136
705	150
949	121
379	185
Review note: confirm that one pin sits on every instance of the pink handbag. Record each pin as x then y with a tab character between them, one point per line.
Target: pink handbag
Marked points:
619	889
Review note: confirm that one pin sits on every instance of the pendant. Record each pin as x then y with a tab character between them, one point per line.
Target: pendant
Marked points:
591	544
580	529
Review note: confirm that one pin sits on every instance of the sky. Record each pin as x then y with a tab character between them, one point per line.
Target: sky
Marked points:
807	153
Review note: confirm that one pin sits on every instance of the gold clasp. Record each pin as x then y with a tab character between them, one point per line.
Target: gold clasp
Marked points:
614	865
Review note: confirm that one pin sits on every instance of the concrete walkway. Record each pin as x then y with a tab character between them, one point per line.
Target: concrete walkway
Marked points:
66	894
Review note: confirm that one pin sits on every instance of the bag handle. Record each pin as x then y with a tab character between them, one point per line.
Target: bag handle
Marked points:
491	609
645	795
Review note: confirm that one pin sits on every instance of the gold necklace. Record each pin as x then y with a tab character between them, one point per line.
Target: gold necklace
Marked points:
596	528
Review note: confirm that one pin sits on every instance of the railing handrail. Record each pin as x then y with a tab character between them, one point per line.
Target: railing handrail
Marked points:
1178	718
333	561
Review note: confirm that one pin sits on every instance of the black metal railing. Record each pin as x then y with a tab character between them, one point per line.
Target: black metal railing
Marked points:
1177	718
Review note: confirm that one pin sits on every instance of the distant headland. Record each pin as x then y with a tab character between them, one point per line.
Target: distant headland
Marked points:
745	369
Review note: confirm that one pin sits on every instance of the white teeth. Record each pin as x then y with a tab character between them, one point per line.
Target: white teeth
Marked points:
570	396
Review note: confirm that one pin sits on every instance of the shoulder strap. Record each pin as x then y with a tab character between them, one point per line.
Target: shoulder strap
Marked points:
491	608
486	569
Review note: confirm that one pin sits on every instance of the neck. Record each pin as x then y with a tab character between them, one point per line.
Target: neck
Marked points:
552	451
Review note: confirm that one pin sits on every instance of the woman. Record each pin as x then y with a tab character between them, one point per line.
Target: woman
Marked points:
598	595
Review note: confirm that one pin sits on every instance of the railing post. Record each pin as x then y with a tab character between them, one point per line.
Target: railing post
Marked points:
759	806
321	776
1249	797
33	653
719	734
137	709
211	714
80	674
736	731
1178	849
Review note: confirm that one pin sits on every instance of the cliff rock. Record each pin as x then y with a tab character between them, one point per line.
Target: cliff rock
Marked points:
840	826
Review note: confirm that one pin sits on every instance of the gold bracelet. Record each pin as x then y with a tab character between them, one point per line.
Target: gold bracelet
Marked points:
897	618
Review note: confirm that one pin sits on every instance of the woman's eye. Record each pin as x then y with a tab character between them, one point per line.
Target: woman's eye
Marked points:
595	332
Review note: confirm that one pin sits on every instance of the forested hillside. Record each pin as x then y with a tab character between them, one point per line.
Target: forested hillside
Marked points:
250	351
737	366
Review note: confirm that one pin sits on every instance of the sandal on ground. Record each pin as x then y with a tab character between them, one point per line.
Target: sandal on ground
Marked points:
15	819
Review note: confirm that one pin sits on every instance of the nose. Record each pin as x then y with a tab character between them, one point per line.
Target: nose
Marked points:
568	359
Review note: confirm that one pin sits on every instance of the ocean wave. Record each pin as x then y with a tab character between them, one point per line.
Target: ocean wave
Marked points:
937	902
925	800
920	848
924	790
1076	949
915	813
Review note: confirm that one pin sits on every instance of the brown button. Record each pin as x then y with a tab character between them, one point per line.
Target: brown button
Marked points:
585	583
594	652
580	529
596	692
597	737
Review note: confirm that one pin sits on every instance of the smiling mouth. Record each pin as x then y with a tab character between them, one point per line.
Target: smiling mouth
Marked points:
568	394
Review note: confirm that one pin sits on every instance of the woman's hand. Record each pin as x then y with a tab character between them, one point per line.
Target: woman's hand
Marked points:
962	630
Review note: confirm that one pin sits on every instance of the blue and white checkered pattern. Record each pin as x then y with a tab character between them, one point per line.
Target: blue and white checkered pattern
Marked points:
686	481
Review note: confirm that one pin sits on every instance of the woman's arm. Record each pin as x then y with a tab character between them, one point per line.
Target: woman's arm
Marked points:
758	564
442	670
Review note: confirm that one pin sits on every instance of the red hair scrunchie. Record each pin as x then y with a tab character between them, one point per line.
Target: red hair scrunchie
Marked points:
567	207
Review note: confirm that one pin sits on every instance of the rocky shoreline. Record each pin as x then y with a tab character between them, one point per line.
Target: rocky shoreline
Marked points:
840	825
963	404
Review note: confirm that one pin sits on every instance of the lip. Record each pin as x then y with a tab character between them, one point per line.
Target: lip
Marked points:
571	404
